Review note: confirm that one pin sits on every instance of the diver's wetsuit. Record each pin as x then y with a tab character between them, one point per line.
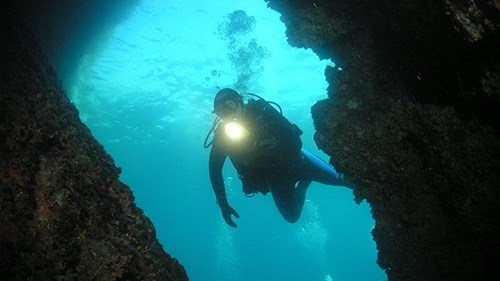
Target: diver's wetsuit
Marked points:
269	159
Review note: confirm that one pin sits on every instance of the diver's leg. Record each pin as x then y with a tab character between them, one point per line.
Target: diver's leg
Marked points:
318	170
290	200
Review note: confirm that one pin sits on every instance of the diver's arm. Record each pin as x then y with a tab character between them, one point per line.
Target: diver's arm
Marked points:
215	163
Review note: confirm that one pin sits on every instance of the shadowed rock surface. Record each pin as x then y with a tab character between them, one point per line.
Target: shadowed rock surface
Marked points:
412	118
64	214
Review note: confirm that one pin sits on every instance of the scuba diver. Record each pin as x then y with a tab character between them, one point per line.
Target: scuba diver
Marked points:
266	150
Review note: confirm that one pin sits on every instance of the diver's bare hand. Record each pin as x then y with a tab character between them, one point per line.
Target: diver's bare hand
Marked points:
227	211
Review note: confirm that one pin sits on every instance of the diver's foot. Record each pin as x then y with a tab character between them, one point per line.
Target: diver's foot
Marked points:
344	182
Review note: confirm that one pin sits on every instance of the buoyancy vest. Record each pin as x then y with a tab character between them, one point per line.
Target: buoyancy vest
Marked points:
271	150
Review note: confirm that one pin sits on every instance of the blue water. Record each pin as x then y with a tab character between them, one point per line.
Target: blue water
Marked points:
145	89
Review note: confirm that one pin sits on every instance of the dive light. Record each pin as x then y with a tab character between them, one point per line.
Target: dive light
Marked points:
235	131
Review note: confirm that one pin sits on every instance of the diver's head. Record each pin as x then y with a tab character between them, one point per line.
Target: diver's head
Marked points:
228	103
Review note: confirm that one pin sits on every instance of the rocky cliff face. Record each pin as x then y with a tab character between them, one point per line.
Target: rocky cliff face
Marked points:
412	119
64	214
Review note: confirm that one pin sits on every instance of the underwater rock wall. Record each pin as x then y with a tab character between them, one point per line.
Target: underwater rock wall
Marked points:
412	118
64	214
64	29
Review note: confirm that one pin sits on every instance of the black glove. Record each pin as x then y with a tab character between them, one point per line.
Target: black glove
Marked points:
227	211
